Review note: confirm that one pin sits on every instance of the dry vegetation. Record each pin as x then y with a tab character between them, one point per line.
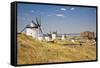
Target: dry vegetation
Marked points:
31	51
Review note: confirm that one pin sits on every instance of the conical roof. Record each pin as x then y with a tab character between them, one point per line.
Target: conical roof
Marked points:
31	25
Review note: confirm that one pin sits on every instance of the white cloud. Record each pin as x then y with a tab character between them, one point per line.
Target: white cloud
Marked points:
60	15
64	9
72	8
32	11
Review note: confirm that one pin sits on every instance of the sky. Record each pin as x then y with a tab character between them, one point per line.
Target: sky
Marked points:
63	19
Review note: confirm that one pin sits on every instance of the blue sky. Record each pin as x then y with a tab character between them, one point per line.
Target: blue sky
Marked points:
64	19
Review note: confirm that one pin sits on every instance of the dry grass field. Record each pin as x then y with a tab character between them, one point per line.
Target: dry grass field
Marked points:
31	51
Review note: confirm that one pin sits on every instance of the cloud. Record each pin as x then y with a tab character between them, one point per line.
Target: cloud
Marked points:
63	9
72	8
60	15
32	11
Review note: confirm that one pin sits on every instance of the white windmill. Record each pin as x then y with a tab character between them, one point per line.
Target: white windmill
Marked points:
54	35
63	37
33	29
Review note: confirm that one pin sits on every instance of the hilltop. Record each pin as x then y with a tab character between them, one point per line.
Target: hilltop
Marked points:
32	51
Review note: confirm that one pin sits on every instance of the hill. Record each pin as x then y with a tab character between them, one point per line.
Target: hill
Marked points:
32	51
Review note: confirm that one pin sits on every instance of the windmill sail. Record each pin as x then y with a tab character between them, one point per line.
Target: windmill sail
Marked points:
40	30
37	21
34	23
23	29
40	21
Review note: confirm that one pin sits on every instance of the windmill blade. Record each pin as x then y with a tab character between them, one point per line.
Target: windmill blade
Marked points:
37	21
23	29
34	23
40	21
40	30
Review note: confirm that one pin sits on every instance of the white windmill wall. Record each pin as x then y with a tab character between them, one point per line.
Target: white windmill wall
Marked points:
28	31
34	33
47	38
31	32
73	40
63	37
53	36
40	38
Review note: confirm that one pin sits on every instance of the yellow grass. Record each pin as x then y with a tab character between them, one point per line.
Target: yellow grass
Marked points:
31	51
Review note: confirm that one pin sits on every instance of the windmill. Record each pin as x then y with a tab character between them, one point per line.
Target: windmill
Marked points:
34	28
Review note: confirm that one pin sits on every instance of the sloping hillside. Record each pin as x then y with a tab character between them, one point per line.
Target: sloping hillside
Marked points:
31	51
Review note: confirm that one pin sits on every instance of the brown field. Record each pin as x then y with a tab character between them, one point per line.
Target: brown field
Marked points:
31	51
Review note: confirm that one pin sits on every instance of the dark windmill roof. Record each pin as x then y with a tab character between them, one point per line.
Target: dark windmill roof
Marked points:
54	32
47	35
29	26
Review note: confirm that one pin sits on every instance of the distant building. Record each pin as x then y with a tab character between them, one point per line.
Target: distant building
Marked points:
41	37
63	37
87	35
47	37
54	35
73	40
